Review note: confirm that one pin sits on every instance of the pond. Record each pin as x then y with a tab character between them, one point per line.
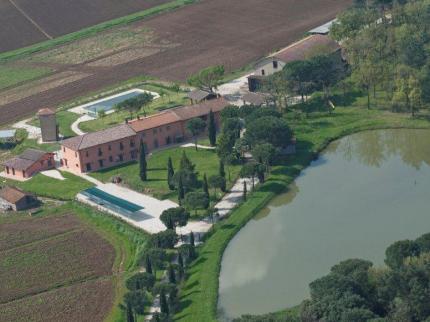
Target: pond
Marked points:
364	192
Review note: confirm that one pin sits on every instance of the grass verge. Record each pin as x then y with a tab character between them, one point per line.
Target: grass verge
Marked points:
199	295
11	75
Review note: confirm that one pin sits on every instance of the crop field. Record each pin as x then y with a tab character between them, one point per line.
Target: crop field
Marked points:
54	268
169	46
33	21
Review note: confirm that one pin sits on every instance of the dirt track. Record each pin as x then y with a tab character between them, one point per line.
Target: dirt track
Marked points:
229	32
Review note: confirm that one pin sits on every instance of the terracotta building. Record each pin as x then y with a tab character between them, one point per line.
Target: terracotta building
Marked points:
48	125
29	163
15	199
120	144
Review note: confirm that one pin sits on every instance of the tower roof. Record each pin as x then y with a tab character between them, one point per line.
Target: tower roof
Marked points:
45	111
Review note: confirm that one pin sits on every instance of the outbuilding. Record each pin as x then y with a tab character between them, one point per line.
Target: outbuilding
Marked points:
15	199
27	164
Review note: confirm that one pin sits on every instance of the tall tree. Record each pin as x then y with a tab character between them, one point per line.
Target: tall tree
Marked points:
196	126
205	185
170	174
181	192
207	79
245	190
164	307
185	163
192	242
148	265
172	274
142	163
221	168
130	315
212	128
217	182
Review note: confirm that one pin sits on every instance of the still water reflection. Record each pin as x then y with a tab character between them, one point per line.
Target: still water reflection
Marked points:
364	192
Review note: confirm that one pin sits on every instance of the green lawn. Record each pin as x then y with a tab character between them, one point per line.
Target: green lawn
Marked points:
206	161
170	100
200	292
44	186
11	75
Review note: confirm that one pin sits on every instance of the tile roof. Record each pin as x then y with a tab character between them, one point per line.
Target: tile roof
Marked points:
100	137
45	111
11	194
203	108
182	113
304	48
25	160
256	99
199	95
32	154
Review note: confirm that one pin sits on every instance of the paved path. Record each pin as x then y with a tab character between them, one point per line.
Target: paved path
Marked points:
75	125
33	131
234	90
192	145
53	174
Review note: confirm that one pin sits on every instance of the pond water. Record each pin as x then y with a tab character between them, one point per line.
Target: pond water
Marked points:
364	192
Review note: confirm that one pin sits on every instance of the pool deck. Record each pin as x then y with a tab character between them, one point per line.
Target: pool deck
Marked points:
147	219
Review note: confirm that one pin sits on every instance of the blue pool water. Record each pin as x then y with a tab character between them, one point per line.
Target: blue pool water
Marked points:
111	202
108	103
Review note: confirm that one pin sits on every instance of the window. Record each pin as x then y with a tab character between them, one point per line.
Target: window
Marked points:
133	154
154	131
65	162
132	143
168	140
263	72
13	171
120	157
64	149
101	163
161	129
7	170
88	166
23	173
109	147
77	165
110	159
100	152
143	134
155	143
275	64
76	154
121	146
49	163
168	127
87	154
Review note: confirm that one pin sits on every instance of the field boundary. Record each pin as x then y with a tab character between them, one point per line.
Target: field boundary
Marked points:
89	31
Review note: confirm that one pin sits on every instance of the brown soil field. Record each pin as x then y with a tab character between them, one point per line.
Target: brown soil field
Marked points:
54	268
232	33
27	231
59	17
83	302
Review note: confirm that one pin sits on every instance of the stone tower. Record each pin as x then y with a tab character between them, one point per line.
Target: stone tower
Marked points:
48	125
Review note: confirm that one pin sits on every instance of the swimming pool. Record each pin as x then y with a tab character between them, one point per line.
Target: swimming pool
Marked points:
107	104
111	202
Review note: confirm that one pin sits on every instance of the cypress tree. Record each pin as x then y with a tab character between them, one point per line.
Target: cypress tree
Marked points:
170	173
245	190
130	316
212	129
164	307
221	168
148	265
142	163
205	186
192	242
172	275
181	266
181	192
186	163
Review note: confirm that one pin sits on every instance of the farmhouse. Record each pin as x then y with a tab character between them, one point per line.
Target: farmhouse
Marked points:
301	50
15	199
120	144
30	162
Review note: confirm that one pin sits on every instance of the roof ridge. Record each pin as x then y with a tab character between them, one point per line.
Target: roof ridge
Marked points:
292	45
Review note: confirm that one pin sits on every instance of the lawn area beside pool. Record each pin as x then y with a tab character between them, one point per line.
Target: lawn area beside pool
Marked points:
44	186
206	161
